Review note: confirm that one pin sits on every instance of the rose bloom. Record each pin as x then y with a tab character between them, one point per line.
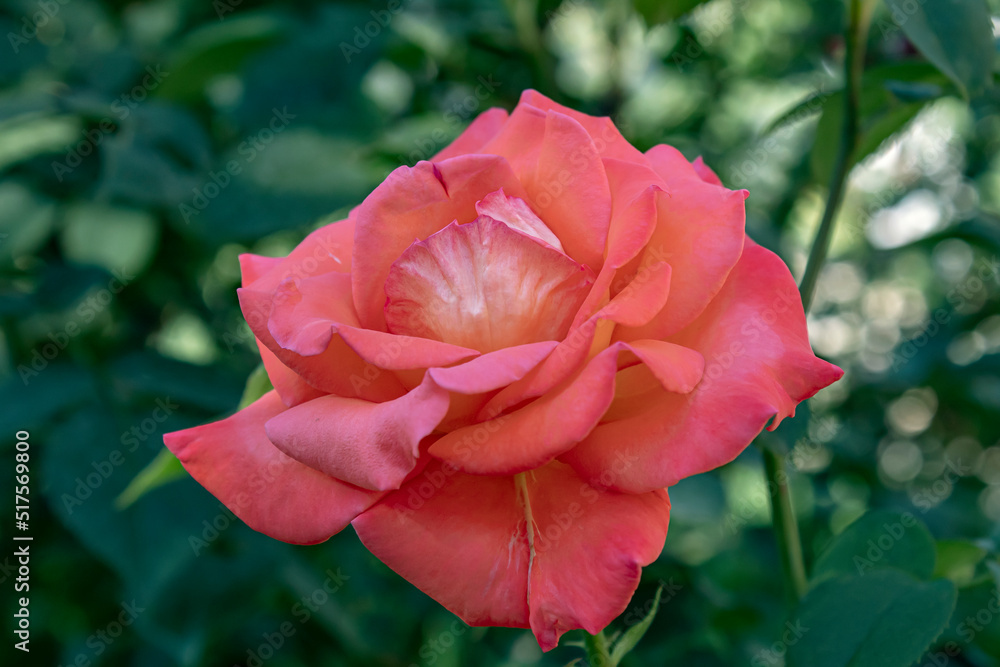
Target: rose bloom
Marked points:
495	366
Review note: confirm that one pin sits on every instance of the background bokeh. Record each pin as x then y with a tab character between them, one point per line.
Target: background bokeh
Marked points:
145	145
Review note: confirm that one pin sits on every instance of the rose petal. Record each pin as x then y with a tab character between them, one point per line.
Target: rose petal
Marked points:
463	540
633	219
607	138
476	135
492	370
253	267
519	140
483	286
292	388
271	492
328	249
309	314
552	425
569	190
337	370
371	445
642	297
590	546
537	433
305	312
759	365
705	172
678	368
459	538
410	205
516	214
561	169
699	232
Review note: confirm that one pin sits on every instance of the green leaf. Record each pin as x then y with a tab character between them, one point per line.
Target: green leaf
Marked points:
955	35
166	468
26	221
216	49
877	541
975	619
661	11
146	374
26	137
813	104
632	636
146	543
882	127
881	619
258	384
957	560
33	398
116	238
161	470
891	95
889	116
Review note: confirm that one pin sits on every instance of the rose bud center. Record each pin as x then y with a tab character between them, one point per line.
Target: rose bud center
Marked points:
498	281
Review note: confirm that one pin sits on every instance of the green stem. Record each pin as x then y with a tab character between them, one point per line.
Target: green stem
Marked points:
786	528
598	651
785	524
857	32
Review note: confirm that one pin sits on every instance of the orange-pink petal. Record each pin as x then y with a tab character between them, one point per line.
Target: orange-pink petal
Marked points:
371	445
758	366
268	490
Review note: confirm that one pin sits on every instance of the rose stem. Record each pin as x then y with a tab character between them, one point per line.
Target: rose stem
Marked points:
598	654
785	525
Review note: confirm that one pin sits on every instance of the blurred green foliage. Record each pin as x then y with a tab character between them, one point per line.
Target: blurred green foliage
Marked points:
144	145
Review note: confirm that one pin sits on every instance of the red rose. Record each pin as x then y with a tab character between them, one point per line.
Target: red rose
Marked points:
495	366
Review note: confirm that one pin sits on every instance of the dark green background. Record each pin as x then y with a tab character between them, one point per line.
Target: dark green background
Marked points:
908	305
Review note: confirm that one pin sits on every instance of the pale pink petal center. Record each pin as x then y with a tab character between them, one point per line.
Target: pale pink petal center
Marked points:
515	213
484	285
